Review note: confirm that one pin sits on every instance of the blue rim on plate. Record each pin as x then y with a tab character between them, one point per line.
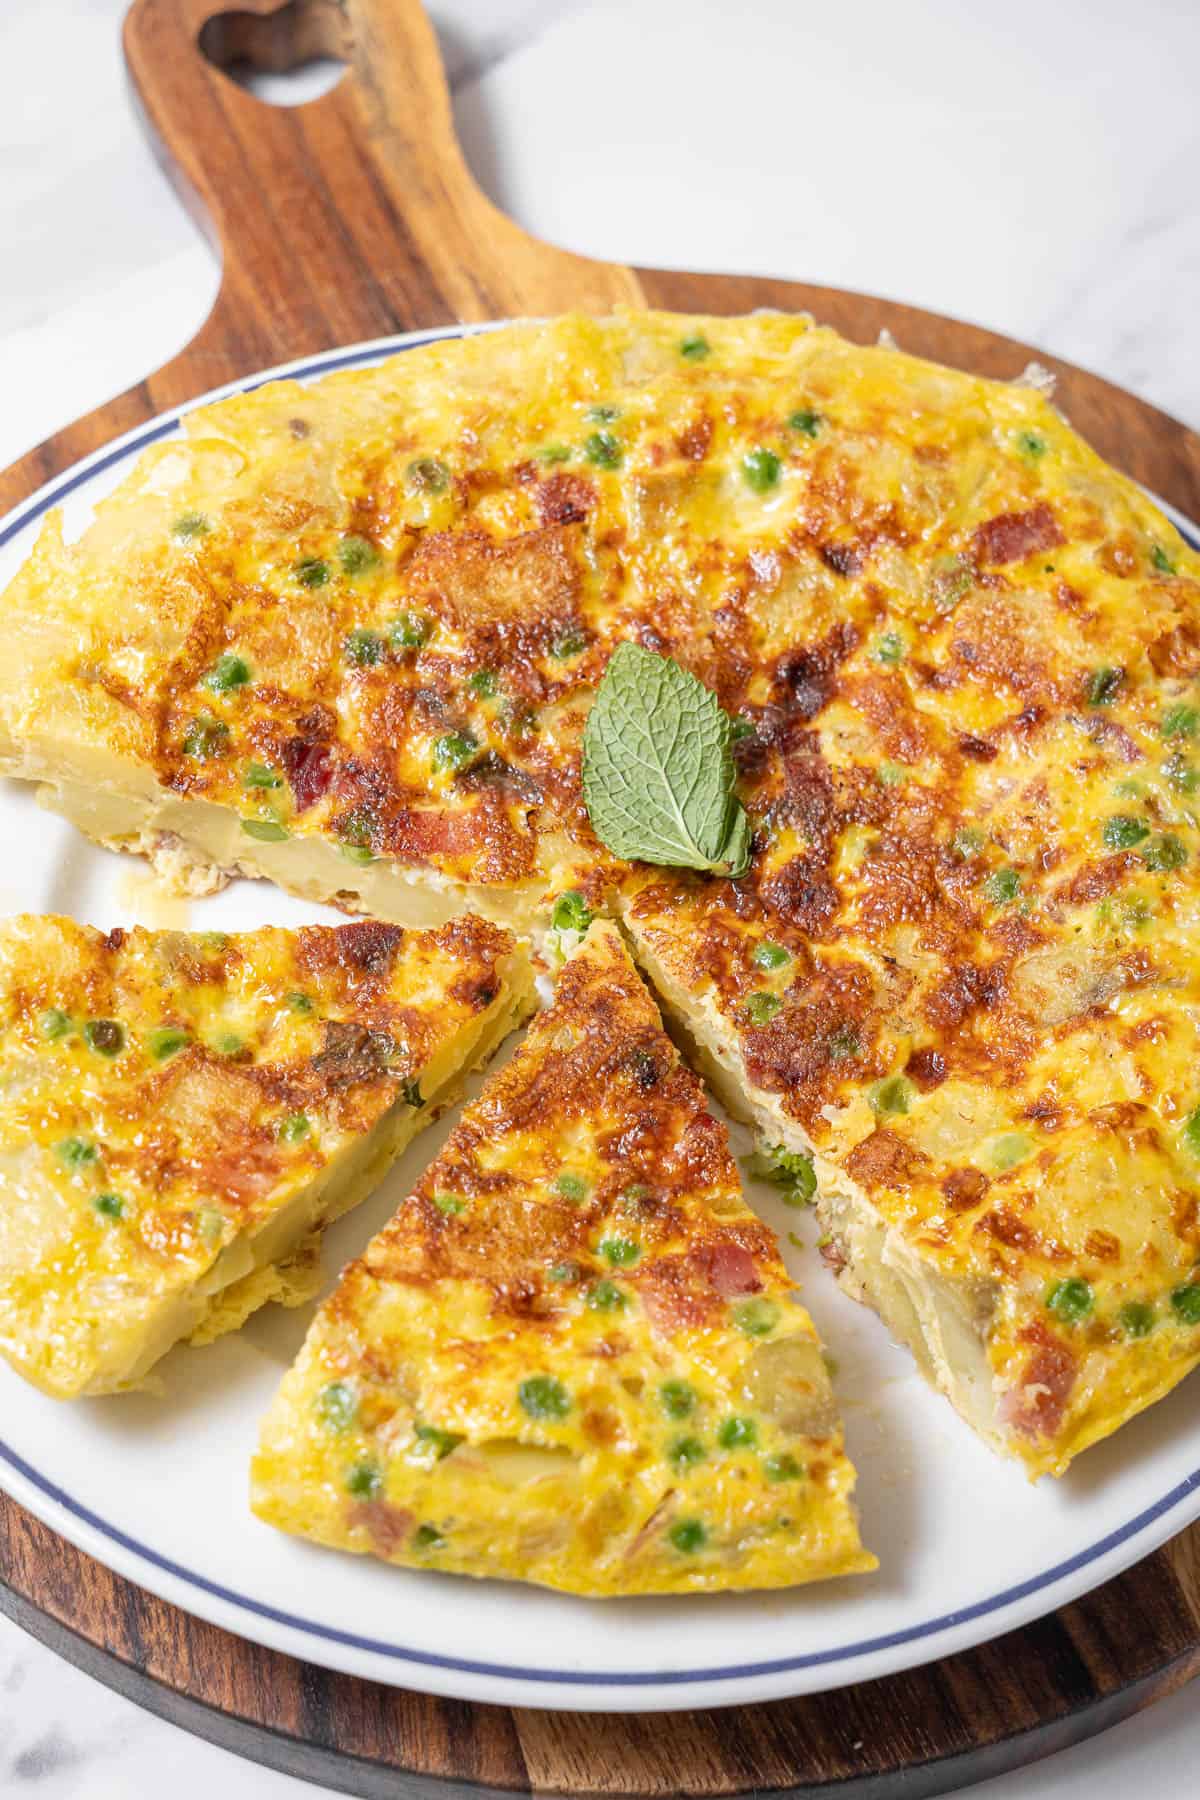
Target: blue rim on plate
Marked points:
56	491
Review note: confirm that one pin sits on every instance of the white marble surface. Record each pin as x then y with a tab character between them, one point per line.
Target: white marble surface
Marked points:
1033	166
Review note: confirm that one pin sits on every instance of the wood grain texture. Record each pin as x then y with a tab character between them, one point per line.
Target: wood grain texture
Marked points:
350	218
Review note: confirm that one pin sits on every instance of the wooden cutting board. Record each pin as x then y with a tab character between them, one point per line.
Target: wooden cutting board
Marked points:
351	218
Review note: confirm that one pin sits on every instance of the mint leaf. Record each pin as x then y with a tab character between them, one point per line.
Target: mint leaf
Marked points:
658	776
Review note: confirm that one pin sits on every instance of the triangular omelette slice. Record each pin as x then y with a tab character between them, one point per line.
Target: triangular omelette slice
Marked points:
573	1357
179	1112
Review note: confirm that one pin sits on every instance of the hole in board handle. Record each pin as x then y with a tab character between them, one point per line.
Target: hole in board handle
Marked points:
285	58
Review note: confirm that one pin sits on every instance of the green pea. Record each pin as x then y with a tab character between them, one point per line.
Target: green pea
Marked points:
603	450
892	1095
1071	1300
844	1043
449	1205
427	476
266	831
110	1206
408	631
190	525
569	643
1180	721
757	1318
806	422
564	1273
694	348
737	1433
544	1397
257	775
768	955
298	1003
1011	1149
364	648
427	1537
1185	1303
76	1153
483	683
606	1296
410	1093
571	1187
205	737
761	470
1103	685
687	1535
167	1041
1002	886
571	912
365	1481
966	843
685	1452
1164	853
55	1023
1162	561
357	555
311	572
295	1127
227	673
228	1043
760	1009
678	1399
782	1468
1137	1318
889	649
1031	444
439	1441
620	1252
555	453
1123	831
337	1406
105	1036
456	750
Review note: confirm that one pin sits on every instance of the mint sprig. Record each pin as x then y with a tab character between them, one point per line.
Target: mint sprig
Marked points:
658	775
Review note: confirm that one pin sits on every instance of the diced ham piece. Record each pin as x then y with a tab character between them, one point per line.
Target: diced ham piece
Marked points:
1012	536
309	768
731	1270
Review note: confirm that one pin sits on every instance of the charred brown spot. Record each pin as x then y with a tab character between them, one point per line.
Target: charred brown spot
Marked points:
843	559
351	1054
369	946
115	938
886	1159
693	442
927	1067
977	748
964	1188
565	500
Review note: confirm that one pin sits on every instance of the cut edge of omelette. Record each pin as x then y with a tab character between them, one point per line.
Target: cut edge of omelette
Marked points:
545	1370
947	1324
147	1202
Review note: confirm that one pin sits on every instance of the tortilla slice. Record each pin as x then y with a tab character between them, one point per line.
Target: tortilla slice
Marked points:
573	1356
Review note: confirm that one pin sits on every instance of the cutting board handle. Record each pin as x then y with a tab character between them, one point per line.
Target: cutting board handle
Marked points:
348	217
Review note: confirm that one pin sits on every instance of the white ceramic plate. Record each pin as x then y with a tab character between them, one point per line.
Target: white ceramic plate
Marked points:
156	1487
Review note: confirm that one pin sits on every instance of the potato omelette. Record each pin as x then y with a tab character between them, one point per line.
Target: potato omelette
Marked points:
347	636
573	1356
181	1112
